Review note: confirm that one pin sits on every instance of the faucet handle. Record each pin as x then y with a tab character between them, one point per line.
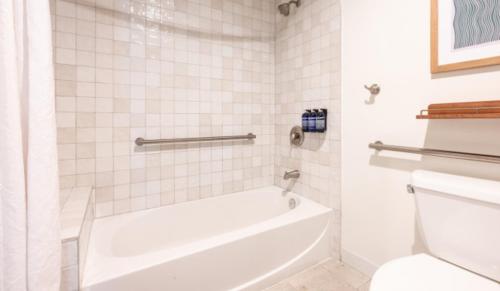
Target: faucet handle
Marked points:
297	136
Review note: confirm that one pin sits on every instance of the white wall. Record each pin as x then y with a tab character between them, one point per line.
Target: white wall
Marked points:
387	42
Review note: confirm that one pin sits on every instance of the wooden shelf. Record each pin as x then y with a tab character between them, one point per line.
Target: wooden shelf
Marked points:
463	110
459	116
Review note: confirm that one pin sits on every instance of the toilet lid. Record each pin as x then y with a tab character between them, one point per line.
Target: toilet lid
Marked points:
425	273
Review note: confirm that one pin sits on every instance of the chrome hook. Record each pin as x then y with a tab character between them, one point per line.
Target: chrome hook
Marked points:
374	89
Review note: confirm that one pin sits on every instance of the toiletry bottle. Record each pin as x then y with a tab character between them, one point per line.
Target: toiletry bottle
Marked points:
325	113
305	120
320	121
312	121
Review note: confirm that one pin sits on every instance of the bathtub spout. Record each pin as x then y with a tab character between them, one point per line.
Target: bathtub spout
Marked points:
295	174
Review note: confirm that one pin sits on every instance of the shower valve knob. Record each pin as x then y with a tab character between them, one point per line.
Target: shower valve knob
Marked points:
297	136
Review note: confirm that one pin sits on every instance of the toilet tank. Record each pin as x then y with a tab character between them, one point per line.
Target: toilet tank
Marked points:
459	218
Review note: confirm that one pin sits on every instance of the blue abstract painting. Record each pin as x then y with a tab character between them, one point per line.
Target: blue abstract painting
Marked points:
476	22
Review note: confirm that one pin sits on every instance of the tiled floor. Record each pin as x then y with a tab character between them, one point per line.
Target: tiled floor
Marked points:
328	276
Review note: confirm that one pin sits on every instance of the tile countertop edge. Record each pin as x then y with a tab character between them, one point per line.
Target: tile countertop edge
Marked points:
73	212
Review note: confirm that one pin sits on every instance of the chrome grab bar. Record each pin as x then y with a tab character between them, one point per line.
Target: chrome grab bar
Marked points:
379	146
141	141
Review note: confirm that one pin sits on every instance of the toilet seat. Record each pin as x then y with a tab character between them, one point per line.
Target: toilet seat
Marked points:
425	273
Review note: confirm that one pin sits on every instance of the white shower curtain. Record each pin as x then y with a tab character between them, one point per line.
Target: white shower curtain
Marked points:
29	202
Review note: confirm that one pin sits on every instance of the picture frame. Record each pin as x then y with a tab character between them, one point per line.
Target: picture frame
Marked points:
459	41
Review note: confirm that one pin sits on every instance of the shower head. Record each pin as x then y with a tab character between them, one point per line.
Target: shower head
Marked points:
285	7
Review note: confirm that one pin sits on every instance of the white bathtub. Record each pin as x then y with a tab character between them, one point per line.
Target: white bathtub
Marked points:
242	241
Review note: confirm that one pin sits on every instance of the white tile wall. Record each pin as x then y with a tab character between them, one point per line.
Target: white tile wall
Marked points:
84	238
163	68
307	77
77	216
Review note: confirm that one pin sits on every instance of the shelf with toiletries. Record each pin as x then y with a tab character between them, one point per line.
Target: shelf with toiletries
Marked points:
315	120
462	110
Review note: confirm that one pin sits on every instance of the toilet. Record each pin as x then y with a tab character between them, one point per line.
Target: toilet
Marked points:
459	220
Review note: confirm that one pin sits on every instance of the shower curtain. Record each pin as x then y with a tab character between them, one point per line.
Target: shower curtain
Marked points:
29	202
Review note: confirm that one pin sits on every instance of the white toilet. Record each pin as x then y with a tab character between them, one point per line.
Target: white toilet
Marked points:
459	219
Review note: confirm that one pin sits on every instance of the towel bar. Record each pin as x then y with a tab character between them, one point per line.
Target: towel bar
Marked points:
379	146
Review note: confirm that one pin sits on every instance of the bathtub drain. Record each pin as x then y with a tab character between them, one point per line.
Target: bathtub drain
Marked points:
292	203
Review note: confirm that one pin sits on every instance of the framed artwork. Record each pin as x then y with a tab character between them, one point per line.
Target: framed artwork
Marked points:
465	34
